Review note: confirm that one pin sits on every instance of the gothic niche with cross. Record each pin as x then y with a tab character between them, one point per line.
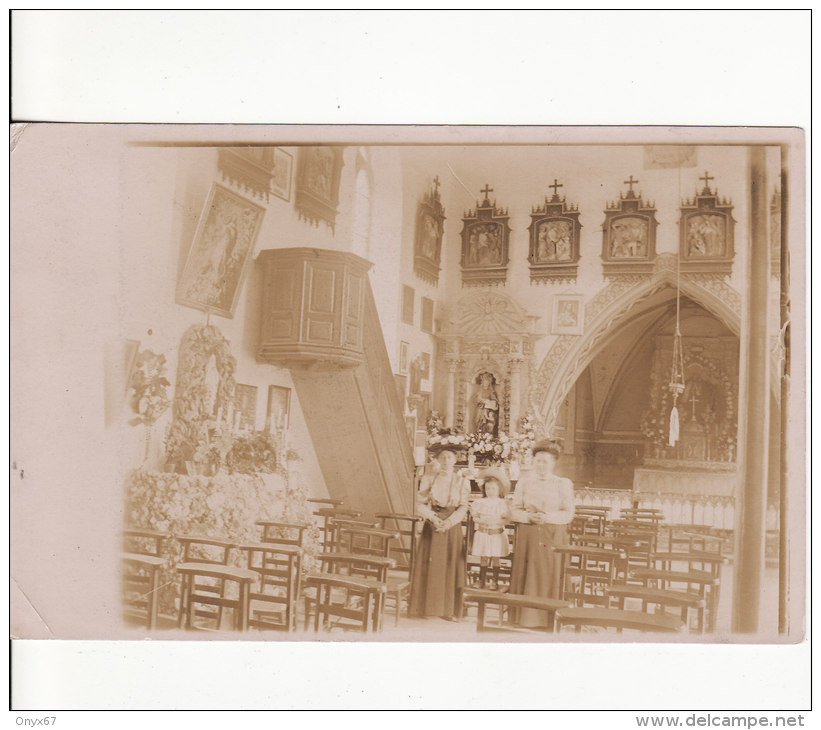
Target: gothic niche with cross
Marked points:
430	220
706	232
629	234
554	239
485	238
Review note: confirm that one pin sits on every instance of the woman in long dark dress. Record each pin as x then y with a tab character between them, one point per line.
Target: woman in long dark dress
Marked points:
439	570
543	507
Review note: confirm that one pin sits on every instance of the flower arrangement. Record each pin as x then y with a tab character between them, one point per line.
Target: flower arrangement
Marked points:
149	392
484	447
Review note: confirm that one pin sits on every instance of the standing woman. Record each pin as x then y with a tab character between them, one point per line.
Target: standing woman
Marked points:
543	507
439	570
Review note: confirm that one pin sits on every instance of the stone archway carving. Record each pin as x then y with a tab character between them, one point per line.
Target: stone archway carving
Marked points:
612	306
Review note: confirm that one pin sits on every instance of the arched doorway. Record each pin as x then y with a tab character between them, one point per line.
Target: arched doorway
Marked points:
615	416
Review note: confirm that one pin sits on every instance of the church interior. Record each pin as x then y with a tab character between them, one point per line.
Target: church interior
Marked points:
299	322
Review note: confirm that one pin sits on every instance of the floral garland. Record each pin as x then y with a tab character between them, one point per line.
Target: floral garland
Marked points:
149	397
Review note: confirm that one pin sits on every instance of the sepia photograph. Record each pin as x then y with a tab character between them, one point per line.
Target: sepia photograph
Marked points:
604	465
356	403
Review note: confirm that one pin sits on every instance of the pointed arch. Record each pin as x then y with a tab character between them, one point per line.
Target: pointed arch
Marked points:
613	307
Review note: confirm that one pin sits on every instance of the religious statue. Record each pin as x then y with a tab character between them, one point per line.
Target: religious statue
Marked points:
486	403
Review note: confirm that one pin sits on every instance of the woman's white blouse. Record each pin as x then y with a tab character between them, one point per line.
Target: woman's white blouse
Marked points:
552	496
443	490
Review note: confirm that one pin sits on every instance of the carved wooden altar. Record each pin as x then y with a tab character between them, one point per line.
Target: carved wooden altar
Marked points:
485	334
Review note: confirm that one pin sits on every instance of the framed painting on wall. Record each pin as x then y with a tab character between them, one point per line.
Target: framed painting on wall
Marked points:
281	177
568	314
403	358
278	414
317	184
218	259
245	406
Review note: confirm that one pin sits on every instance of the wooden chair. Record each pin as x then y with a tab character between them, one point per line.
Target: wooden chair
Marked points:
403	552
345	603
597	519
661	600
206	574
365	580
142	562
273	604
283	533
695	572
587	573
505	602
617	619
328	515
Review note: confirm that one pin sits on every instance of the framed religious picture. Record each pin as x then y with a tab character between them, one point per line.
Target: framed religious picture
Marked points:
568	314
427	252
427	316
245	406
403	357
278	413
282	174
629	234
485	237
706	232
554	239
249	168
319	170
218	259
408	295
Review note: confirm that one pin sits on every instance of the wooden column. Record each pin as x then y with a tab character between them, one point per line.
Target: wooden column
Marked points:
751	505
784	533
450	410
515	367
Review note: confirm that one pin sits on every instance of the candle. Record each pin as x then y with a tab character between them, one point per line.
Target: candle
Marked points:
219	415
230	415
237	419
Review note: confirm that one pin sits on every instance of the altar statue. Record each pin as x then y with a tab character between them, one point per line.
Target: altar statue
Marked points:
486	403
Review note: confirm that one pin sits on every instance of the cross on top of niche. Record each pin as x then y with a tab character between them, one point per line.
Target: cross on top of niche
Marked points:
486	191
631	182
436	184
706	177
556	185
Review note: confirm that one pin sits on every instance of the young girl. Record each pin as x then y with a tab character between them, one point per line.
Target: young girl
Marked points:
490	515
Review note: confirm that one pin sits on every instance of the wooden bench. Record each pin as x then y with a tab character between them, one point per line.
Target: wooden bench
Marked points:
509	600
685	600
616	618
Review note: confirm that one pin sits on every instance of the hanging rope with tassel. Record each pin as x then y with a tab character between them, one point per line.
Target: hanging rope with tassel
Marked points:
676	385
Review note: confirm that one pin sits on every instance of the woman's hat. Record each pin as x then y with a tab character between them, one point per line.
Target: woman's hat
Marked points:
551	446
436	449
497	474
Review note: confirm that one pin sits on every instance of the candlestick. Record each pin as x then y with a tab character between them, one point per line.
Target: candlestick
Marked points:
237	419
219	415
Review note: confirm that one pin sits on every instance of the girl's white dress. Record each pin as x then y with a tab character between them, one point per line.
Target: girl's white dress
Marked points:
490	538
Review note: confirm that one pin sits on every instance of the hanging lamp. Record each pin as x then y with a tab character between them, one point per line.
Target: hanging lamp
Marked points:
676	384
